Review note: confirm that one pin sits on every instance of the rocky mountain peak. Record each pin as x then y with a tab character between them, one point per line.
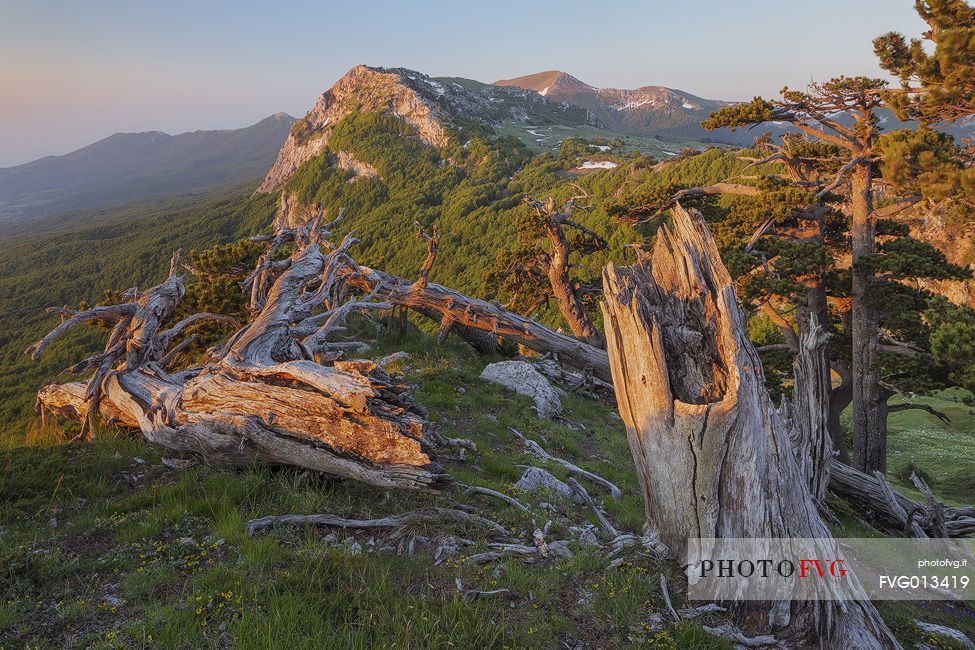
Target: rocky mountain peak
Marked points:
430	105
423	102
551	83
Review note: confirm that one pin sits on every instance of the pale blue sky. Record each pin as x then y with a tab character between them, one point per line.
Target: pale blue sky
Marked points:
72	72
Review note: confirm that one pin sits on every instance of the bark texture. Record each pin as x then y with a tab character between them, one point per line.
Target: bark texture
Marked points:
712	455
275	393
806	413
869	401
460	311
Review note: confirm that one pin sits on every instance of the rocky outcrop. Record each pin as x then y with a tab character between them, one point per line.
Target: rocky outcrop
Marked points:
345	160
521	377
428	104
957	242
421	101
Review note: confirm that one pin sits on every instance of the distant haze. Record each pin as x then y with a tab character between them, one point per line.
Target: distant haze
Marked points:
73	73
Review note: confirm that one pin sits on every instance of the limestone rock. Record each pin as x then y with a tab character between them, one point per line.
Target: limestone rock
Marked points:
521	377
535	479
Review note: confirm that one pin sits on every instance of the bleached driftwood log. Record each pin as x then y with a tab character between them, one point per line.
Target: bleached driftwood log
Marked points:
274	393
712	457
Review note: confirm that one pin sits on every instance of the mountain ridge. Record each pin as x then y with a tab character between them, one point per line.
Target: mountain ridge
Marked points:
647	110
138	166
430	105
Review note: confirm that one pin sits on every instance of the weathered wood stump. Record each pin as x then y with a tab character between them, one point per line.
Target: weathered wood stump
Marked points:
713	457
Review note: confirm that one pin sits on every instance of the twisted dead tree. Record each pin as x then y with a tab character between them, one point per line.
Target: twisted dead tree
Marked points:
459	312
275	393
712	457
538	269
482	341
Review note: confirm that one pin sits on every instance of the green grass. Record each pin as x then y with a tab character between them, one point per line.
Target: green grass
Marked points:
941	453
101	545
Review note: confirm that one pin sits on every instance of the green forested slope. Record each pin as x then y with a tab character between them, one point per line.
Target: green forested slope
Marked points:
129	248
475	200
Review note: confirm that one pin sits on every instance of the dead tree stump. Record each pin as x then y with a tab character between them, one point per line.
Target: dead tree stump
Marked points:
711	454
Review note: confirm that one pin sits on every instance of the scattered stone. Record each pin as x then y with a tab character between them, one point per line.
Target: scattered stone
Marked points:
138	461
114	601
330	538
536	478
461	390
186	541
446	548
585	597
560	548
521	377
355	548
588	537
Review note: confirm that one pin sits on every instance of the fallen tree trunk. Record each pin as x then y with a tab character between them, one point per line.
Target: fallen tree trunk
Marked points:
712	458
456	309
895	512
274	393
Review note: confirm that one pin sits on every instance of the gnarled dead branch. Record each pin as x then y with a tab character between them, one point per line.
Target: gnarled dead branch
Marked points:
263	397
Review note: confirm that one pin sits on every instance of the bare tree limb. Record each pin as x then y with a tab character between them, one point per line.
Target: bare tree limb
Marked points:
390	521
905	406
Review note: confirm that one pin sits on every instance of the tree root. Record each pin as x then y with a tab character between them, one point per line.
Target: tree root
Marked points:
476	489
536	450
603	521
391	521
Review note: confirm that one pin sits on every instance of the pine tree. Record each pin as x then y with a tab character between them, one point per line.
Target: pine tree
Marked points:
850	164
539	267
936	87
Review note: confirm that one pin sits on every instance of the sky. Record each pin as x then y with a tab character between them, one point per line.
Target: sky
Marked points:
73	72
